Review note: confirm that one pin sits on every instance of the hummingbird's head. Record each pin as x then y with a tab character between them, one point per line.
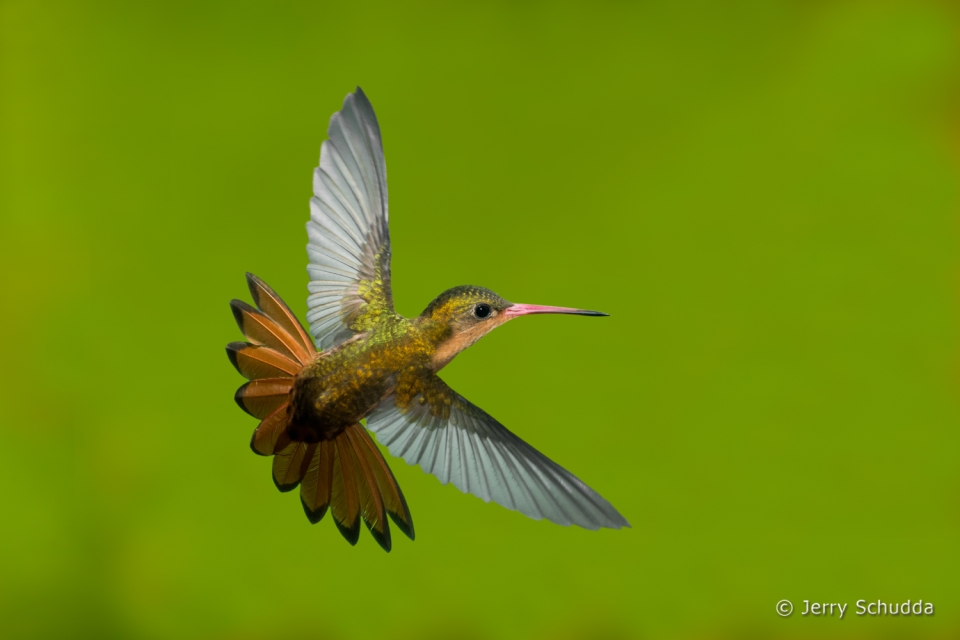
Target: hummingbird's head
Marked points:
460	316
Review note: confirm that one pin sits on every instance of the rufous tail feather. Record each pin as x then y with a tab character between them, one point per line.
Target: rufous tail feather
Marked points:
349	477
278	349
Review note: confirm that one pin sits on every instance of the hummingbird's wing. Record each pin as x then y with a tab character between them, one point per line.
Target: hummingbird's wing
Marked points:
429	424
349	244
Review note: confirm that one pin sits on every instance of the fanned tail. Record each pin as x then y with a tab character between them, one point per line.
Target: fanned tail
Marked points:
349	477
278	349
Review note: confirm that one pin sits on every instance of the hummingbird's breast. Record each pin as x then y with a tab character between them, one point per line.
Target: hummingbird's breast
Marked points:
342	385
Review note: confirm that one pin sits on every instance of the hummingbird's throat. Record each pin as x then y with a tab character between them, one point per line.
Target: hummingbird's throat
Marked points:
460	340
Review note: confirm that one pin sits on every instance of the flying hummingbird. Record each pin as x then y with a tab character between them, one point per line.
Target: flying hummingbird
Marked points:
365	361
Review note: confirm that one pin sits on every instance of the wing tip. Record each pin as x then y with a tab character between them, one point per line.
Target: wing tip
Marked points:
357	102
360	96
613	521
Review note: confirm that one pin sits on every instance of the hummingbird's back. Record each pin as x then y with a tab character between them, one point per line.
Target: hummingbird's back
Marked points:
343	384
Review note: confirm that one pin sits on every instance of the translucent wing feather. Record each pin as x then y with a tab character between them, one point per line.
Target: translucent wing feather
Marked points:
459	443
349	246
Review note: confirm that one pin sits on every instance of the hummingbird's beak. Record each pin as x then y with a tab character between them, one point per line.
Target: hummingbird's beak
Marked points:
516	310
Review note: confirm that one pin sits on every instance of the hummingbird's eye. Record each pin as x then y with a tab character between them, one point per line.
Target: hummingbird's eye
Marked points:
482	310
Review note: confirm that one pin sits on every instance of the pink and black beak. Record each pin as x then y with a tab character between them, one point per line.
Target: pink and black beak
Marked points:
516	310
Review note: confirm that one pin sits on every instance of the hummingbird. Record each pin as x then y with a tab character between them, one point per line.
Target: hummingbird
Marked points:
362	361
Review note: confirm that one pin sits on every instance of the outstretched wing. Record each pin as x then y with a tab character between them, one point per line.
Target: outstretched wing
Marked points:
429	424
349	244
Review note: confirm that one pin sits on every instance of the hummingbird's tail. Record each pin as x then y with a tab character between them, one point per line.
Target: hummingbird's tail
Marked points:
347	474
278	349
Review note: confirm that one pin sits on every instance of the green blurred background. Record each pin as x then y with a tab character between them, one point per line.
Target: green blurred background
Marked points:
763	195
